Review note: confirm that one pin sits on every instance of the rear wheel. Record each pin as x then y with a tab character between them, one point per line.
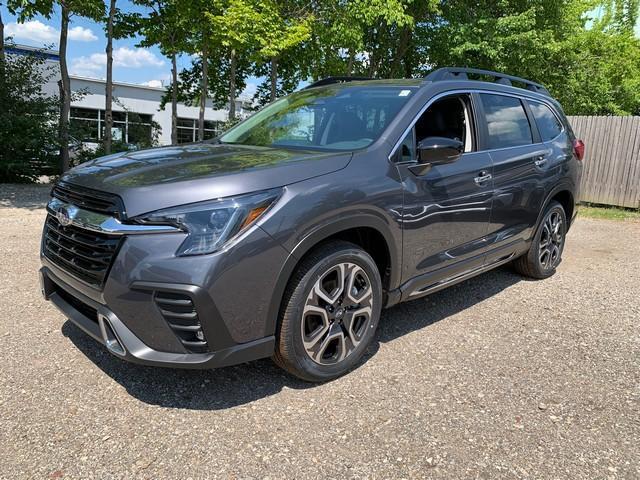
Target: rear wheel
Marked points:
330	313
545	252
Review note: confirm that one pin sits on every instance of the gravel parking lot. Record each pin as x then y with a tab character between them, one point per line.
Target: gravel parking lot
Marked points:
498	377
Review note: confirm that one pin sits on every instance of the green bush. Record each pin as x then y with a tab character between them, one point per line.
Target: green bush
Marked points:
28	120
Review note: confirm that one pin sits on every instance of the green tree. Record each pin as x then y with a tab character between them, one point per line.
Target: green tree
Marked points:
200	42
362	36
28	117
233	26
283	25
166	27
621	15
28	9
604	78
590	65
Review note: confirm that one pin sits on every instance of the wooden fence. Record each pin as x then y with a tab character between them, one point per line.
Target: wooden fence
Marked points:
611	174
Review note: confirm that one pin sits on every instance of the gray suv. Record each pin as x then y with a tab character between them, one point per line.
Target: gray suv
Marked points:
287	236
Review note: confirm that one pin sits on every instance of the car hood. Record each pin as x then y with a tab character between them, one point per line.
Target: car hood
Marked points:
163	177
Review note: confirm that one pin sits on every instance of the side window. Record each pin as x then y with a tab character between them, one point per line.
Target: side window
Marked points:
448	117
406	152
507	121
548	124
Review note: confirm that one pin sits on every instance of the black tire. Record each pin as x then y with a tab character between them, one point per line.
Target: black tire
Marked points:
337	259
532	264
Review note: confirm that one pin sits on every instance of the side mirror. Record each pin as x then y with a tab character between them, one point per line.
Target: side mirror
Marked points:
439	150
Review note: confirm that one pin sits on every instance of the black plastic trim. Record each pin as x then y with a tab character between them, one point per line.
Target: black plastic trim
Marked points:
333	80
461	73
214	328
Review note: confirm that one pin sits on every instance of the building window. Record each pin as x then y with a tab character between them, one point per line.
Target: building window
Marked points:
87	125
188	129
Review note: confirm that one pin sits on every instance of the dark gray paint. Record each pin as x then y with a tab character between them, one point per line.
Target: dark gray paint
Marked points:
465	228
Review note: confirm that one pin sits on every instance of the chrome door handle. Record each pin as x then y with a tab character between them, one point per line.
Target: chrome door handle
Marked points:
540	161
483	178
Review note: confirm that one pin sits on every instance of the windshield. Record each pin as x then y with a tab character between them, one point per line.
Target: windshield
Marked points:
337	117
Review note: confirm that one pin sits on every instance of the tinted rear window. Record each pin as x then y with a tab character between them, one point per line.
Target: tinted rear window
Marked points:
548	124
507	121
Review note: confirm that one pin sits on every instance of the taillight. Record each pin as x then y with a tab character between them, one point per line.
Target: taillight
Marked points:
578	148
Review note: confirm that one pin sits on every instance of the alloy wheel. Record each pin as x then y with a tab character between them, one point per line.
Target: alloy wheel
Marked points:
551	240
337	313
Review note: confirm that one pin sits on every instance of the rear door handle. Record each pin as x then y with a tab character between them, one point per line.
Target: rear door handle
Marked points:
540	161
482	177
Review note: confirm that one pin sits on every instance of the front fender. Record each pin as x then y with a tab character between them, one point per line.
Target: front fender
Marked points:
322	232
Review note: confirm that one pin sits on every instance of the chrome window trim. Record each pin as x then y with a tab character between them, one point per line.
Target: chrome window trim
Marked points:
100	223
468	92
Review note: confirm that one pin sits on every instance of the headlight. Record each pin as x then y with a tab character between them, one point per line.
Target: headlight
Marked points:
212	224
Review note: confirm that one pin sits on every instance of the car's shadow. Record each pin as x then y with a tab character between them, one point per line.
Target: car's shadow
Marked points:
238	385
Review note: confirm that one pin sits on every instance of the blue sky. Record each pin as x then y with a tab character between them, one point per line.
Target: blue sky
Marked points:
86	49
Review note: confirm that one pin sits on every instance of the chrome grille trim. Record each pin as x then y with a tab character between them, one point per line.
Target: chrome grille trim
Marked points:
101	223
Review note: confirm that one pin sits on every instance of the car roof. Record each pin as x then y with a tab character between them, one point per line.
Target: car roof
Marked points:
510	83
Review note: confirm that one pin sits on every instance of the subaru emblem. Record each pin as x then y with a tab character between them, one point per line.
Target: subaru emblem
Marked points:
63	216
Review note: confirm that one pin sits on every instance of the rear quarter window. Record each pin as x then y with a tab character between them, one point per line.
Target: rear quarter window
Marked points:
507	121
548	124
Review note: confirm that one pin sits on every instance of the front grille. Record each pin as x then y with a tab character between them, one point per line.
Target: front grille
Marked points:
89	199
85	254
181	315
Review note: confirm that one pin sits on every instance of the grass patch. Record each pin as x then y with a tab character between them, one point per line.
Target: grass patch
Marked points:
609	213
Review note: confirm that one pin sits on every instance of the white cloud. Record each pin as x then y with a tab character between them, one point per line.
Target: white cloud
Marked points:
82	34
36	31
94	64
153	83
124	57
135	58
33	30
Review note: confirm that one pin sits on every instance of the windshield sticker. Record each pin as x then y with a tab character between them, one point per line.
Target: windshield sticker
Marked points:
404	93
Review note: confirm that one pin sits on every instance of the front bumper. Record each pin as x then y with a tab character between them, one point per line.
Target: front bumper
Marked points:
98	321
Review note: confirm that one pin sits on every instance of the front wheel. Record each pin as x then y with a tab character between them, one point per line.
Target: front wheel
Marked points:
330	312
545	252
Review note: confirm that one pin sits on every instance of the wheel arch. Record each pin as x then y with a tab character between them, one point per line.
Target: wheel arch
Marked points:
369	232
566	199
563	194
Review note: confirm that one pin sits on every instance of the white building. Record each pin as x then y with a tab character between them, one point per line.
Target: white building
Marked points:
136	108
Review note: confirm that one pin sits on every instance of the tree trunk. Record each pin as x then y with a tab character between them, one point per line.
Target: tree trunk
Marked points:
374	58
352	55
203	91
174	100
400	53
65	91
1	39
274	79
232	86
108	114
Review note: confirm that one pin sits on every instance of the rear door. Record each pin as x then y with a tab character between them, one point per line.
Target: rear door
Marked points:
520	166
447	208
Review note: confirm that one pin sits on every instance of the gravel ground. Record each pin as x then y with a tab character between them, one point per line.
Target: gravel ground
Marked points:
498	377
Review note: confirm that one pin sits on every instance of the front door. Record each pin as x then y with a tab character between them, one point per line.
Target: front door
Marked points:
447	208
